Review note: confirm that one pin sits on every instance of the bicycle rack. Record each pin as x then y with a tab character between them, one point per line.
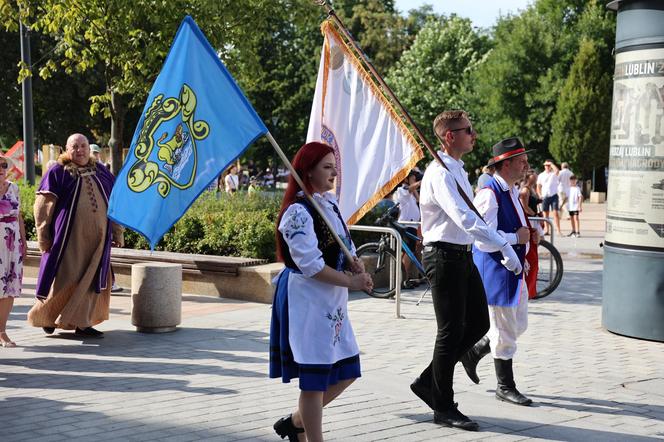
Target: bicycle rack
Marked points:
395	244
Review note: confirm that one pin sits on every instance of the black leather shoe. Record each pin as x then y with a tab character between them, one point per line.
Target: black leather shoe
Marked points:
285	428
473	356
512	395
422	392
88	332
48	330
452	417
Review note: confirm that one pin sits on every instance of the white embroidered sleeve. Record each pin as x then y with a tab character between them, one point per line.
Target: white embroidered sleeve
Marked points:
297	227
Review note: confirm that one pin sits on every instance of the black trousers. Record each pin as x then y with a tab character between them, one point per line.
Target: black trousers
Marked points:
462	318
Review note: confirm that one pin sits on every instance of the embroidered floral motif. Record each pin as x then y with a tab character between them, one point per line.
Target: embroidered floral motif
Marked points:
337	321
9	238
295	223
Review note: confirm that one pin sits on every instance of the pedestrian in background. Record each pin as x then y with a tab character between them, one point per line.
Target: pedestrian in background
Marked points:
12	252
575	206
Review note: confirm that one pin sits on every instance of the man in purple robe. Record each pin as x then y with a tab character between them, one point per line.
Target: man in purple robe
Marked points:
75	238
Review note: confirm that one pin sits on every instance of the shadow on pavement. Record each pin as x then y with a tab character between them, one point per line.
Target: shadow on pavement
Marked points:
538	430
50	419
69	382
68	364
598	405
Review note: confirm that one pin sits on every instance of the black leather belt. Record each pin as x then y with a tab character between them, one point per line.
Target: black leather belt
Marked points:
450	246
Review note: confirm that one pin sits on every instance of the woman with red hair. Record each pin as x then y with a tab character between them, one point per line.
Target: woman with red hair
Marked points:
311	337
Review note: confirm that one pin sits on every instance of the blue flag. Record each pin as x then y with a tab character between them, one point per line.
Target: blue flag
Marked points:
196	121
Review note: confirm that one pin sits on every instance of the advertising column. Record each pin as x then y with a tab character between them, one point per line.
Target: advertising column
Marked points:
633	281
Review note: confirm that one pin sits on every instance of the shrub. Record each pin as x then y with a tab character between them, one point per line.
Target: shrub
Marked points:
237	225
27	196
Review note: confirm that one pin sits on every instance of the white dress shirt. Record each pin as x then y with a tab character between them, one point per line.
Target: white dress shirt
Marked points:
487	205
408	208
445	215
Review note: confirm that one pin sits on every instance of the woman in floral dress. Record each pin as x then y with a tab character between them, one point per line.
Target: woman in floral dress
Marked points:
311	337
12	249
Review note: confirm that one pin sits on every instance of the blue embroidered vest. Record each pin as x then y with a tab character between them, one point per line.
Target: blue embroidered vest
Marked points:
502	287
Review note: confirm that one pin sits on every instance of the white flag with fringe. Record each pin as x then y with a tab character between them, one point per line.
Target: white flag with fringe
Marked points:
374	149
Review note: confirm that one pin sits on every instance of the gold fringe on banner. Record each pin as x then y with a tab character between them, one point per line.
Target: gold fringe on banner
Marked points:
328	27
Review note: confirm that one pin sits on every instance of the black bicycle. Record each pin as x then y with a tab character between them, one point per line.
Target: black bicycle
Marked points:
380	258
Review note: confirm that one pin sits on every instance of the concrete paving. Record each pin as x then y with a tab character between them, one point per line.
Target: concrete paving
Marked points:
208	380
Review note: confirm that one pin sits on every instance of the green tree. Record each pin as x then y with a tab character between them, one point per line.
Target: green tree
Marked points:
127	40
55	115
583	113
517	88
282	86
379	29
434	74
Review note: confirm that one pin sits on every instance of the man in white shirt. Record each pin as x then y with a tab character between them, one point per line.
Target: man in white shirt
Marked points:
507	293
407	196
449	228
547	189
563	185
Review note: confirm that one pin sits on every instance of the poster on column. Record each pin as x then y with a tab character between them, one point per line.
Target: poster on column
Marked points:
635	204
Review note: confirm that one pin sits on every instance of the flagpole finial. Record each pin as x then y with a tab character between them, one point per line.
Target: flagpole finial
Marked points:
325	4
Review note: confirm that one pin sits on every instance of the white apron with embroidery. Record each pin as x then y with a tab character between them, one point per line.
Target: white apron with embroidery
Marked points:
319	327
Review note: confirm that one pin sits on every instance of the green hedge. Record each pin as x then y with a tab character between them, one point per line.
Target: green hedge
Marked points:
237	225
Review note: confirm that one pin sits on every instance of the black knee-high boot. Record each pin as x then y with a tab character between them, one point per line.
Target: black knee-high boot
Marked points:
506	389
473	356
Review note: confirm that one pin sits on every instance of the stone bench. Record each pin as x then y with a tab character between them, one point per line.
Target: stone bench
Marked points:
247	279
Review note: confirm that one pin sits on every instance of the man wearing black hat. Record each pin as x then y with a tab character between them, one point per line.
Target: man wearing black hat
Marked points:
449	228
507	293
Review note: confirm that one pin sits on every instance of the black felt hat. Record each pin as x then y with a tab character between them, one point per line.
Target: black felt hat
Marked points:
506	149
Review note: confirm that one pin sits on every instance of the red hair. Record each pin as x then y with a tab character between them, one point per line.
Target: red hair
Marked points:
306	159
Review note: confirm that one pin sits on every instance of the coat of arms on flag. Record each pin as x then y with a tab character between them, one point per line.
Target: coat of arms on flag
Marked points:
195	122
374	148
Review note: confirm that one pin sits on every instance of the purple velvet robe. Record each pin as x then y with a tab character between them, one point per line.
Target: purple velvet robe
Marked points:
67	188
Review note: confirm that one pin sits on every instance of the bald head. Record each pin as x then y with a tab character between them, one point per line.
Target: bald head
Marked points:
79	149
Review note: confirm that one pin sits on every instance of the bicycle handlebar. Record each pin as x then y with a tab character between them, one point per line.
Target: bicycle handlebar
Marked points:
389	212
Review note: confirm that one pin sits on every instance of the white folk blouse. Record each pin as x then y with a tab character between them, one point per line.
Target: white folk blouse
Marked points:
319	327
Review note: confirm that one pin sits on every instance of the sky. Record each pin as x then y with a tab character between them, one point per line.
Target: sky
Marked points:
483	13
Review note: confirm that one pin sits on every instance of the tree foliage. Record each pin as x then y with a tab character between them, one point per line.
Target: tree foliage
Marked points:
582	119
127	40
516	89
434	74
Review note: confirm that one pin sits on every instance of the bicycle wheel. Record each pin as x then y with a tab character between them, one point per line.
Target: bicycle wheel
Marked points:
550	269
380	264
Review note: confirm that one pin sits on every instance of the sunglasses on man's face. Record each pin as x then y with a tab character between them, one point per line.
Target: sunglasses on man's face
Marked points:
4	165
469	130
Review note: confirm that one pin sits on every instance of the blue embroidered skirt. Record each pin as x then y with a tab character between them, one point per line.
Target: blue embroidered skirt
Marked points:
313	377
